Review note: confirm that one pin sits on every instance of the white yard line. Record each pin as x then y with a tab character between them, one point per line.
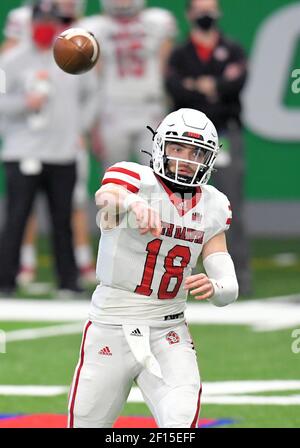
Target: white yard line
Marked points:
227	392
271	314
29	310
33	391
213	392
44	332
289	400
246	387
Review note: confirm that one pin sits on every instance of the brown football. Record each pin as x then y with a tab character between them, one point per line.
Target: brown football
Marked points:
76	51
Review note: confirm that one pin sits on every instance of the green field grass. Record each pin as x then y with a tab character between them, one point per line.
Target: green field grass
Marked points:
225	353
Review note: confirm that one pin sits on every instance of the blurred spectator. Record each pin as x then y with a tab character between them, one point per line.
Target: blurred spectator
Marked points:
135	44
44	110
17	29
207	73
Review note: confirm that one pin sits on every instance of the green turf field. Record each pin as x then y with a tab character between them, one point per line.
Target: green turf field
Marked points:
226	353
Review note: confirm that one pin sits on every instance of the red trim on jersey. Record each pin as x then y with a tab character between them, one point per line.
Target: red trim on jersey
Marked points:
189	204
123	171
194	424
228	222
123	183
77	375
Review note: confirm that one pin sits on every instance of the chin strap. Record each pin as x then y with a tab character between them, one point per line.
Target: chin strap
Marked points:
147	152
178	188
152	132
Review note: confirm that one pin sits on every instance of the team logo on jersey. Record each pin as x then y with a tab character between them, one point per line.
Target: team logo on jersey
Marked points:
172	337
136	332
221	54
182	206
105	351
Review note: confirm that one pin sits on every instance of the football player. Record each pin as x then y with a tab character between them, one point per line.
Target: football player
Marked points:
18	29
156	222
135	44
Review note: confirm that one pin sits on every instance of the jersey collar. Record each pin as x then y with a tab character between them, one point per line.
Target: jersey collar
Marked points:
182	206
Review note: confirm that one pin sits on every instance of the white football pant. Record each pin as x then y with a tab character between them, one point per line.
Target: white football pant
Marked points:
107	369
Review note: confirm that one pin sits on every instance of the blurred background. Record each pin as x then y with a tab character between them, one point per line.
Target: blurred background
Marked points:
268	32
270	117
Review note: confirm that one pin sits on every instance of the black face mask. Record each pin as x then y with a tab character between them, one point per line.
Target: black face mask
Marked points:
206	22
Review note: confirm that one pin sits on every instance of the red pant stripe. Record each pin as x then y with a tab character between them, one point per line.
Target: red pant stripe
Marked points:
194	424
73	395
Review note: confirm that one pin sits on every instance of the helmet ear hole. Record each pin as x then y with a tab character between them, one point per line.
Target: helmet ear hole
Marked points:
152	132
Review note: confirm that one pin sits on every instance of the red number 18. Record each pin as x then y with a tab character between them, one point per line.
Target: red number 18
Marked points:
171	270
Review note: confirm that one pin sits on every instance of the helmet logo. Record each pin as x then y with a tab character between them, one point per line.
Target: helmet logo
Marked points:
193	135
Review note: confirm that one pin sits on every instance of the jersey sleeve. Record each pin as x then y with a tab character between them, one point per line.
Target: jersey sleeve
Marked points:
17	24
162	22
228	216
223	215
124	174
219	214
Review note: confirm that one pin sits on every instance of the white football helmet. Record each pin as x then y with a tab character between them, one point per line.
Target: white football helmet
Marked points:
192	127
122	8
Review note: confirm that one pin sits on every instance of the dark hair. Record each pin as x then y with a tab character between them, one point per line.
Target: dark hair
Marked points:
45	9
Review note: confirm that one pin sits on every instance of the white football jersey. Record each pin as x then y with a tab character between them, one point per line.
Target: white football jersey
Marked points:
17	24
142	276
130	53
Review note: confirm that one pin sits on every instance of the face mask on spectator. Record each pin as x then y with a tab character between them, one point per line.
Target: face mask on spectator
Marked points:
44	33
205	21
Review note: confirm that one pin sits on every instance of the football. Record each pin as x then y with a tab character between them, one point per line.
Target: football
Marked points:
76	51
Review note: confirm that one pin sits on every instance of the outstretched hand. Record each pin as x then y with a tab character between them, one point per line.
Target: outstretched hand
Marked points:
148	220
200	286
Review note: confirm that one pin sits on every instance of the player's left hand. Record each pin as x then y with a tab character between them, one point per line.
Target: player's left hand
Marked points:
199	284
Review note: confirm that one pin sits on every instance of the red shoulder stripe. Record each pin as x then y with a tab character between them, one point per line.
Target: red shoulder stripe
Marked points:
127	185
124	171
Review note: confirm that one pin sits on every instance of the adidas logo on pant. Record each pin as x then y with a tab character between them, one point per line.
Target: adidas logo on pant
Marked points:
105	351
136	332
